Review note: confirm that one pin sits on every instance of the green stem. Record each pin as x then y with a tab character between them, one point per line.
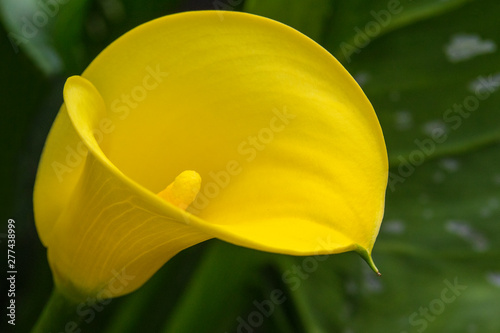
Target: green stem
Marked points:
59	315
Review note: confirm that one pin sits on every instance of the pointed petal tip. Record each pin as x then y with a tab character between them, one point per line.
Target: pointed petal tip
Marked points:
366	255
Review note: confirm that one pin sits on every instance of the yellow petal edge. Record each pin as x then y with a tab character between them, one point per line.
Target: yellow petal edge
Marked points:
289	152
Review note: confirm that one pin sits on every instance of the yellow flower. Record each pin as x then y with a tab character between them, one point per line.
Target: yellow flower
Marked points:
290	153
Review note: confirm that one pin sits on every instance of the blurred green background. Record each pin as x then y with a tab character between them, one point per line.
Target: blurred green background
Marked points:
431	69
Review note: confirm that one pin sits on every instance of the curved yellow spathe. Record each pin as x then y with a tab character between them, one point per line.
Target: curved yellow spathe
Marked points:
289	150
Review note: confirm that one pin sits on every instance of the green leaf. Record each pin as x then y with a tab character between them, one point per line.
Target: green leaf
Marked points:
309	17
448	208
434	83
352	19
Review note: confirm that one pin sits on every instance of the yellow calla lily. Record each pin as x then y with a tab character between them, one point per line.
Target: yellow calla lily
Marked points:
191	127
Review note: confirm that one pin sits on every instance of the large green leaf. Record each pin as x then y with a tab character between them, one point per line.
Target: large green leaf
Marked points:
444	221
420	76
351	19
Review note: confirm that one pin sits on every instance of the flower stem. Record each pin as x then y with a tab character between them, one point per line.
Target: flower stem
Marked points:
59	315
